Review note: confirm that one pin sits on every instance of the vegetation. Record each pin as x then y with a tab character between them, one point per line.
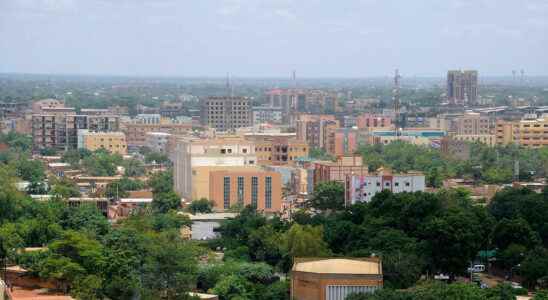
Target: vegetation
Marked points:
200	206
487	165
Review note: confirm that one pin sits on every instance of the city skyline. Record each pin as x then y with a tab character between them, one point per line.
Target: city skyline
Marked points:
269	39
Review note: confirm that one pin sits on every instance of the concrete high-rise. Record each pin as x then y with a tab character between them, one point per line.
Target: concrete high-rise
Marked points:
226	113
462	87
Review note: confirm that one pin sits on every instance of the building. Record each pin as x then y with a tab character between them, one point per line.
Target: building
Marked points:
286	99
334	278
114	142
337	171
246	186
526	133
220	152
136	130
367	121
472	124
462	87
314	129
172	109
226	113
58	127
345	141
487	139
266	114
278	148
362	188
416	136
157	141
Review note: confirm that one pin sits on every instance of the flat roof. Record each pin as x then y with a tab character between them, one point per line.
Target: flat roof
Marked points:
339	266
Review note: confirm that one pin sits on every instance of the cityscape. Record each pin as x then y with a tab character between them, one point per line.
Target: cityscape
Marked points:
180	186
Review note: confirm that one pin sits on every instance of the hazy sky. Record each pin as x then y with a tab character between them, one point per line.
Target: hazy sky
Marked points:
318	38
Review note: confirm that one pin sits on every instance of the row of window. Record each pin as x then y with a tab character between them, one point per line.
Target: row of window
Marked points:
241	191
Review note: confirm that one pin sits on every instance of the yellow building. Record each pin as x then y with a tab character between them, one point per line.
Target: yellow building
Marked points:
114	142
527	133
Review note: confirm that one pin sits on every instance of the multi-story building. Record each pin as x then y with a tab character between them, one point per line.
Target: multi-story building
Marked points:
362	188
172	109
345	141
191	154
136	130
314	129
455	149
226	113
366	121
157	141
114	142
337	171
278	148
472	124
266	114
246	186
527	133
488	139
58	127
462	87
287	100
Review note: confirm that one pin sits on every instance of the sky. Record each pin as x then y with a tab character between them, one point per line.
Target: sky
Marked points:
270	38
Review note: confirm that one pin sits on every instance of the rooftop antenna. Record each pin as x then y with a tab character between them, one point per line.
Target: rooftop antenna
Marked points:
396	98
294	78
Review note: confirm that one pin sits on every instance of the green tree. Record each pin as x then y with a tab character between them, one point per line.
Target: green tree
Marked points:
535	266
200	206
133	168
166	201
305	241
328	196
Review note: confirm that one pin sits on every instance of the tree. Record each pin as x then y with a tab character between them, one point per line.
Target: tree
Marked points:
165	201
161	182
201	206
541	295
328	196
516	231
535	266
305	241
133	168
85	217
102	163
30	170
64	188
233	287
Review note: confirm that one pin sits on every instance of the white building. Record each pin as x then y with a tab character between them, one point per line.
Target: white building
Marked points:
157	141
364	188
190	153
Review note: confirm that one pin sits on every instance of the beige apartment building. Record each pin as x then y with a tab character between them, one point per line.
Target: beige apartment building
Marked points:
226	113
527	133
472	124
114	142
278	148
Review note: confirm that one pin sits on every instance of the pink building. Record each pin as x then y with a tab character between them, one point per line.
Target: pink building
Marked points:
343	141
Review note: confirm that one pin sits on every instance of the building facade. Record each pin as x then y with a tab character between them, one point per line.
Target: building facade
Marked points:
526	133
113	142
472	124
314	129
364	188
226	113
266	114
462	87
157	141
334	278
136	130
221	152
260	189
337	171
278	149
366	121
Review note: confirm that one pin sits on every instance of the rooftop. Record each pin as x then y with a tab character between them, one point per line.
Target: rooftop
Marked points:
340	266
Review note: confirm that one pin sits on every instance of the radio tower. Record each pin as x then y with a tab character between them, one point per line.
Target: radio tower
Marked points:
294	78
396	99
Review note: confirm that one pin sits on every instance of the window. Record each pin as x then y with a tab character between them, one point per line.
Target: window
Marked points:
268	192
254	191
397	184
378	184
387	184
244	150
240	189
226	192
223	151
407	184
